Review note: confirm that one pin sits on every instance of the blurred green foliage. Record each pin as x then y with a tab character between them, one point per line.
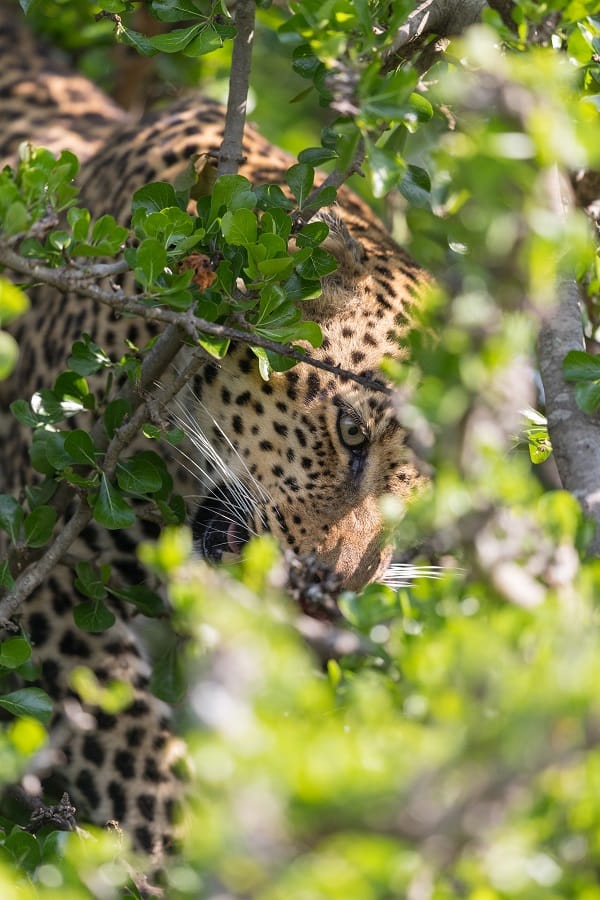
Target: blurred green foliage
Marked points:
456	752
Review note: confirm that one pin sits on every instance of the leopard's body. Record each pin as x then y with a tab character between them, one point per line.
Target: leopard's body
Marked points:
282	441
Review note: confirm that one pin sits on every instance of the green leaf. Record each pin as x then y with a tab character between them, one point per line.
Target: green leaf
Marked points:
271	268
115	414
377	603
16	219
80	447
168	680
316	156
24	849
9	354
70	385
47	407
421	107
274	302
79	220
175	436
48	454
299	179
415	185
319	264
87	358
93	616
277	221
110	509
39	525
30	701
154	197
6	579
23	414
174	41
60	240
581	366
89	581
107	231
146	601
239	227
587	396
271	362
539	453
391	102
386	169
175	10
13	302
14	651
11	516
299	289
325	196
139	475
173	512
301	331
84	481
151	260
216	346
152	431
271	197
225	189
312	234
211	38
135	39
40	494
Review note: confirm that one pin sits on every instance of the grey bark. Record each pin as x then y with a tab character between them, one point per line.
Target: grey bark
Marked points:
440	17
575	435
231	154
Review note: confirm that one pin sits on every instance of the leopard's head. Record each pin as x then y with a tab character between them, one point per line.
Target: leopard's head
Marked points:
307	455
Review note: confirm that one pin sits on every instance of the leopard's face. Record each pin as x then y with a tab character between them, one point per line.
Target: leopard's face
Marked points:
307	456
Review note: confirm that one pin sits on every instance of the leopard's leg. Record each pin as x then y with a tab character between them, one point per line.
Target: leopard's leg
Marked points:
116	767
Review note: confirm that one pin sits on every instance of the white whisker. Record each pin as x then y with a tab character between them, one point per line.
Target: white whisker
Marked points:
404	574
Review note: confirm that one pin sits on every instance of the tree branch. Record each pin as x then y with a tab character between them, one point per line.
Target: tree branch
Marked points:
434	17
575	436
187	324
231	152
33	577
156	362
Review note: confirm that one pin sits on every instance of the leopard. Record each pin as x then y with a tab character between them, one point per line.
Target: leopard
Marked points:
305	456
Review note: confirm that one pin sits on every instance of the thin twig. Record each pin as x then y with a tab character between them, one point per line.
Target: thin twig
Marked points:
26	583
193	327
335	179
156	362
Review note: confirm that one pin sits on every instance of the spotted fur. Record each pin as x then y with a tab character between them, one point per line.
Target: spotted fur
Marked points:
305	455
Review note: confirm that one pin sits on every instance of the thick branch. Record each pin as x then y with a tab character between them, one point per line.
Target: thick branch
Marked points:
575	436
442	18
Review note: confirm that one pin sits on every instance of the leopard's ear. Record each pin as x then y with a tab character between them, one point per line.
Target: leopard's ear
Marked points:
349	253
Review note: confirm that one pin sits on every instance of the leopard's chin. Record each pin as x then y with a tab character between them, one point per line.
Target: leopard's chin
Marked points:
219	529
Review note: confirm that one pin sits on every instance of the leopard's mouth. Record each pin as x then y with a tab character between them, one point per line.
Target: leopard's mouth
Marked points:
219	529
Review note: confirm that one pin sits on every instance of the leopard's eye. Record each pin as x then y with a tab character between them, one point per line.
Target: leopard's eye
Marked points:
350	432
